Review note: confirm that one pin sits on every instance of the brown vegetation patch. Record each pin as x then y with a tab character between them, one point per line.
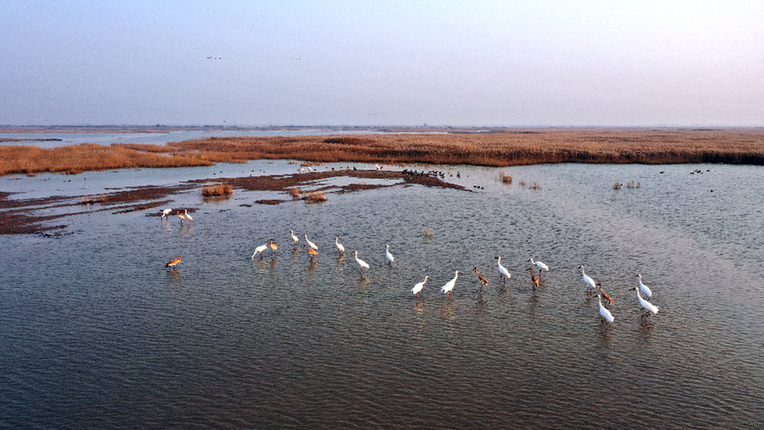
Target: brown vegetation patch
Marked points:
500	149
268	202
217	190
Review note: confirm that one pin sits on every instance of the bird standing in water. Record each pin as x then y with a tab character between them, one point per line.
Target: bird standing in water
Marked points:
503	270
418	287
450	285
587	279
389	256
363	264
173	263
260	249
483	281
534	278
605	296
604	312
646	291
340	247
541	266
311	244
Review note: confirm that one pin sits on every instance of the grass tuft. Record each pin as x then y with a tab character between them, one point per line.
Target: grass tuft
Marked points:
315	197
217	190
505	178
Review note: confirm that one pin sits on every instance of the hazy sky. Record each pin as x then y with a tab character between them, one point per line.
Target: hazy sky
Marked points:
483	63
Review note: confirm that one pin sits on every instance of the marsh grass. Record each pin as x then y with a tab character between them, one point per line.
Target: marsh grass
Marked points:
295	193
506	179
500	149
217	190
315	197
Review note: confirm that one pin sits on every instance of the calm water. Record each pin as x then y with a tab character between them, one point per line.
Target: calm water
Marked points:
65	139
96	333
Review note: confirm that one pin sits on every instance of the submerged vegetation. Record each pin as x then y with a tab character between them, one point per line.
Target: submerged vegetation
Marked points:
499	149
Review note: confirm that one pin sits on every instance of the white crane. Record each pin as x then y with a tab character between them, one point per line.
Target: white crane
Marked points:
188	216
649	307
646	291
606	315
389	256
363	264
340	247
503	270
450	285
260	249
587	279
541	266
311	244
165	213
418	287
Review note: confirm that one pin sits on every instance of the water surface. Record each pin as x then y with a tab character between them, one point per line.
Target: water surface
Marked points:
98	334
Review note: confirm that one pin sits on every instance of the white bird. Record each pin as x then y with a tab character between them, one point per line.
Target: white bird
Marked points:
295	239
311	244
260	249
587	279
604	312
363	264
188	217
503	270
541	266
649	307
166	212
646	291
340	248
389	256
418	287
450	285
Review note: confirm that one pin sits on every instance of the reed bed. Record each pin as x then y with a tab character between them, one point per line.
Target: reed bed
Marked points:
217	190
500	149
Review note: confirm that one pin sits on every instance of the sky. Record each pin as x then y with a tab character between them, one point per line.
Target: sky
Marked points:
382	63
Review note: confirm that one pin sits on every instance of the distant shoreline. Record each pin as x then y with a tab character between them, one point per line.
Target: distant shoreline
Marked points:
484	147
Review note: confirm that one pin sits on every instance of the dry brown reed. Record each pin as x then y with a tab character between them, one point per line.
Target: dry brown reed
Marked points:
500	149
217	190
315	197
506	179
295	193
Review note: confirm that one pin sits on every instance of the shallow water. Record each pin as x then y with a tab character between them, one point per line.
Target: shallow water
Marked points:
98	334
